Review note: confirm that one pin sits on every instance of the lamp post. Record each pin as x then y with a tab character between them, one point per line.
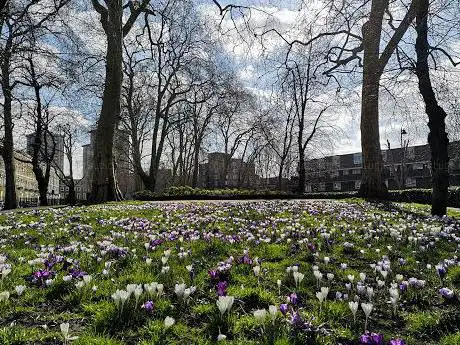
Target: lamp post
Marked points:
403	162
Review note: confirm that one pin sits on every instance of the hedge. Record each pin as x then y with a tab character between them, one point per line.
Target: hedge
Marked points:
421	196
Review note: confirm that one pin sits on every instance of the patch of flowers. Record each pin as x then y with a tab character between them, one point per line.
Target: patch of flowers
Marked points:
296	272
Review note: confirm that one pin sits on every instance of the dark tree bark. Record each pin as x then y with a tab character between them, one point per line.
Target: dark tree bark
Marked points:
374	63
104	183
372	184
437	137
8	143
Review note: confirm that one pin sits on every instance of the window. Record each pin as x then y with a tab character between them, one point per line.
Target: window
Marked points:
410	153
346	172
334	173
357	159
356	171
417	166
308	188
357	184
411	182
337	186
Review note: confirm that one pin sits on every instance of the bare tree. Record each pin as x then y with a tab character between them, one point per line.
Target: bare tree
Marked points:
167	51
44	146
437	137
104	185
18	22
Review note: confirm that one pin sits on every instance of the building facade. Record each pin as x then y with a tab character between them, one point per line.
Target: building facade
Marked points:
222	171
26	183
403	168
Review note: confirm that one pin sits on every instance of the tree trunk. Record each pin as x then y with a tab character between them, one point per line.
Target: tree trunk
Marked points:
42	193
196	164
280	175
437	137
72	195
8	143
104	185
302	173
372	184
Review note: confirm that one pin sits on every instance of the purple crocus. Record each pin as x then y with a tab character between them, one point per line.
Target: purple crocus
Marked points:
213	274
148	306
447	293
397	341
222	288
371	338
293	298
283	308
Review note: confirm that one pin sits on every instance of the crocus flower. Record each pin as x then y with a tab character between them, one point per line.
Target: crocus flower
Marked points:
446	293
354	308
169	321
221	288
260	315
148	306
293	298
283	308
397	341
225	303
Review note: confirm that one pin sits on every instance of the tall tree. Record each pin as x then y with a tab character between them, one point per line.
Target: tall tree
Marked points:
437	137
374	62
18	22
104	184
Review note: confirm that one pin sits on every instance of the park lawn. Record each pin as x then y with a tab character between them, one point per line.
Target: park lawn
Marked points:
114	272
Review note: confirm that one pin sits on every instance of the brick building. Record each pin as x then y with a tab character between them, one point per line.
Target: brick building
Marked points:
223	171
404	168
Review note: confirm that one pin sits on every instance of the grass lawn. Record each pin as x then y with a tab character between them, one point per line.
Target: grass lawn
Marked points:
263	272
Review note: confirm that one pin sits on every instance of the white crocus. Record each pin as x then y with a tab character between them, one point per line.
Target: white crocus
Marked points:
225	303
354	309
179	290
256	270
20	289
4	296
160	288
260	315
370	293
87	279
278	282
150	288
137	293
367	308
169	321
272	311
298	277
318	275
65	327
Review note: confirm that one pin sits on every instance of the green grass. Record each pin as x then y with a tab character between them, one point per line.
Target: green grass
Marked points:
275	234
